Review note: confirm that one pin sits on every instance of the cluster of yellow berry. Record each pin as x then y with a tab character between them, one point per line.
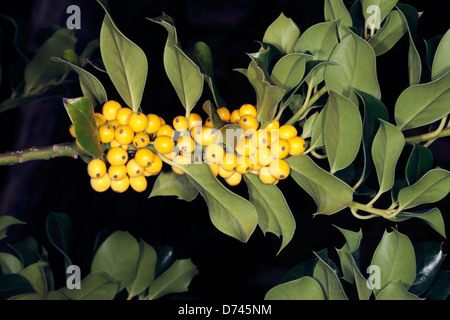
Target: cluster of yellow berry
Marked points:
259	148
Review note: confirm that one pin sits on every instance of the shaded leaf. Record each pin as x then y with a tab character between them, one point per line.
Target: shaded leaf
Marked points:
382	6
95	286
169	183
441	61
34	273
328	281
9	263
12	285
419	162
432	217
145	272
59	231
5	223
289	71
440	288
390	33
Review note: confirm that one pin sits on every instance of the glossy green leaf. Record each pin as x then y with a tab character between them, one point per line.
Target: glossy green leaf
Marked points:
328	192
431	47
274	215
12	285
336	10
396	291
124	61
342	131
357	17
145	272
305	288
420	161
395	257
59	231
329	281
432	217
411	17
441	61
390	33
283	33
41	71
185	76
118	257
34	273
9	263
354	68
423	104
317	137
90	85
289	71
440	288
229	212
81	113
432	187
380	8
309	125
95	286
364	292
386	149
352	238
165	258
5	223
429	257
211	111
168	183
176	279
351	246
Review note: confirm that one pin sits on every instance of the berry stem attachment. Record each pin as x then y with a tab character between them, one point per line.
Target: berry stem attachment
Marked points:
355	206
309	101
44	153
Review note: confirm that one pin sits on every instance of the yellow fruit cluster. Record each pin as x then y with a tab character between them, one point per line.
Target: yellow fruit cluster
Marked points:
254	147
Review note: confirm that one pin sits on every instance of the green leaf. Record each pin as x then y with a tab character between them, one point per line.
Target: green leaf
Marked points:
336	10
176	279
9	263
382	7
395	257
165	258
95	286
329	193
431	47
441	61
90	85
289	71
185	76
41	71
351	246
283	33
273	211
386	149
317	137
342	131
396	291
419	162
303	269
432	217
5	223
59	231
34	273
423	104
27	250
411	17
354	68
429	257
118	257
393	29
305	288
12	285
87	53
328	281
309	125
81	113
145	272
440	288
124	61
229	212
169	183
352	238
432	187
56	295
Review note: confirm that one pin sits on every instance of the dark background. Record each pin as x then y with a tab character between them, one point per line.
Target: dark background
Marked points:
227	268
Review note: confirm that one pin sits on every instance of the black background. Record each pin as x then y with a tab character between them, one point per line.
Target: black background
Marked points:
227	268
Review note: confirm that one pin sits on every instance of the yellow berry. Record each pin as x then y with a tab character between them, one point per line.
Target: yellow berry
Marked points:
274	125
117	172
249	124
297	145
213	153
106	133
180	123
247	110
260	138
229	161
161	120
124	134
279	169
123	115
99	119
141	140
113	123
156	166
245	147
110	109
244	165
139	184
225	173
165	130
234	116
181	160
214	168
224	114
194	120
208	123
186	144
287	131
203	135
144	157
72	130
101	184
164	144
115	144
138	121
117	156
263	157
234	179
265	176
96	168
280	148
133	169
121	185
153	123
